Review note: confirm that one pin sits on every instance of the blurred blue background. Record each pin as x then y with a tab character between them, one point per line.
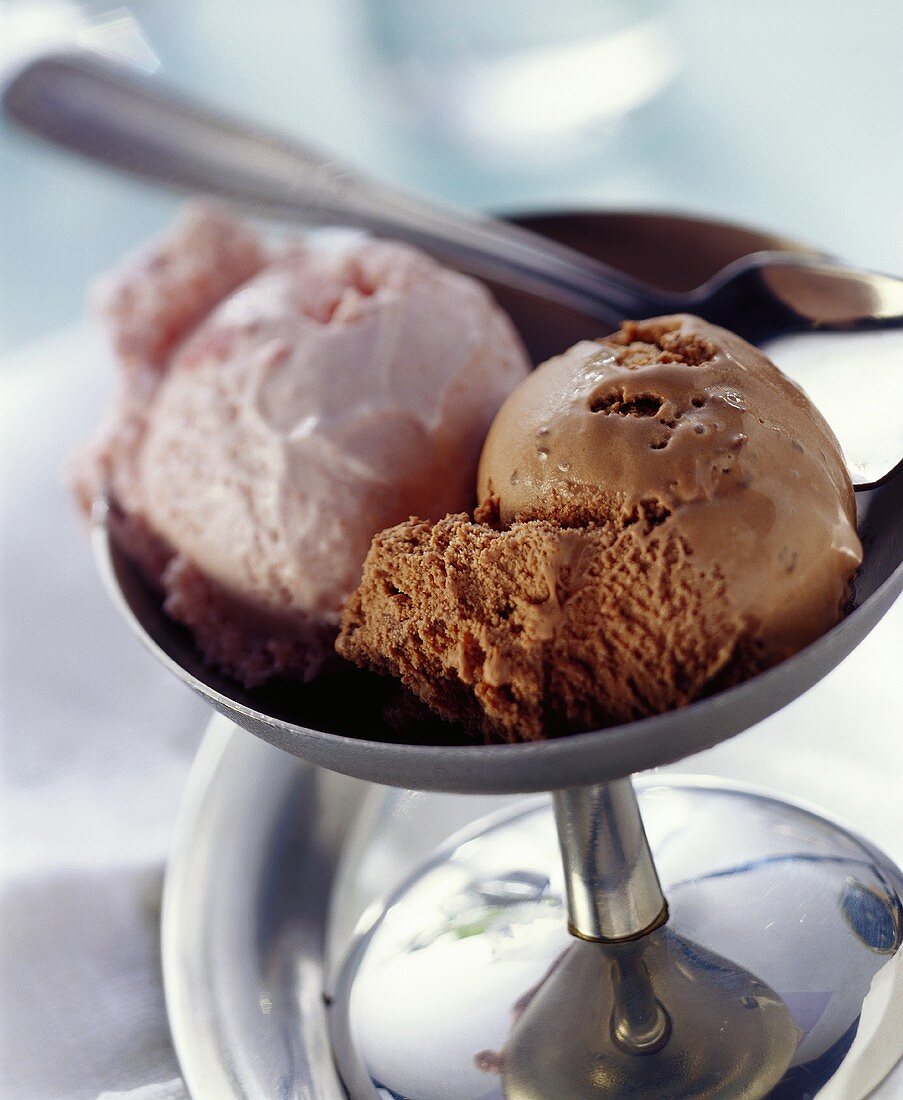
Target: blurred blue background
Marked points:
783	115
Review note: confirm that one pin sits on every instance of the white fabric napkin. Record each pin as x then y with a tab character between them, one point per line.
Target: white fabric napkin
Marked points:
95	741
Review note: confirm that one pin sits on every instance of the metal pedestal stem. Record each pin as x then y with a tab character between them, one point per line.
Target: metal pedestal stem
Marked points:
613	892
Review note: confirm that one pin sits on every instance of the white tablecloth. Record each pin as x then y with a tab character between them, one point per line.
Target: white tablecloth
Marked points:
95	741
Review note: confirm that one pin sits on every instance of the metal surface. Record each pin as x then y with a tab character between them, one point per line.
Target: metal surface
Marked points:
660	1017
612	888
466	986
257	848
237	1017
244	920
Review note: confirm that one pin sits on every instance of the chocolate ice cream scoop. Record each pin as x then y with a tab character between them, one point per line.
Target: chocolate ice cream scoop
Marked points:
662	514
681	421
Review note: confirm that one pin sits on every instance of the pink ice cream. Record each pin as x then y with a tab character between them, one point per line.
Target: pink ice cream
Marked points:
278	409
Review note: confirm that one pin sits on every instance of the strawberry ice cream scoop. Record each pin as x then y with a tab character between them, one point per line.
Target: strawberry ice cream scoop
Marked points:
277	411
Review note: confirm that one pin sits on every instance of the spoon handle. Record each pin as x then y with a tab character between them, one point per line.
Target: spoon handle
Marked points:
113	115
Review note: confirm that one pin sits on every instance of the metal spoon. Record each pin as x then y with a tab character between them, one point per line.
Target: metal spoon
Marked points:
125	120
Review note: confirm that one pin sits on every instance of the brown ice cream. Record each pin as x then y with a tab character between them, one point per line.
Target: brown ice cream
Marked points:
663	513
